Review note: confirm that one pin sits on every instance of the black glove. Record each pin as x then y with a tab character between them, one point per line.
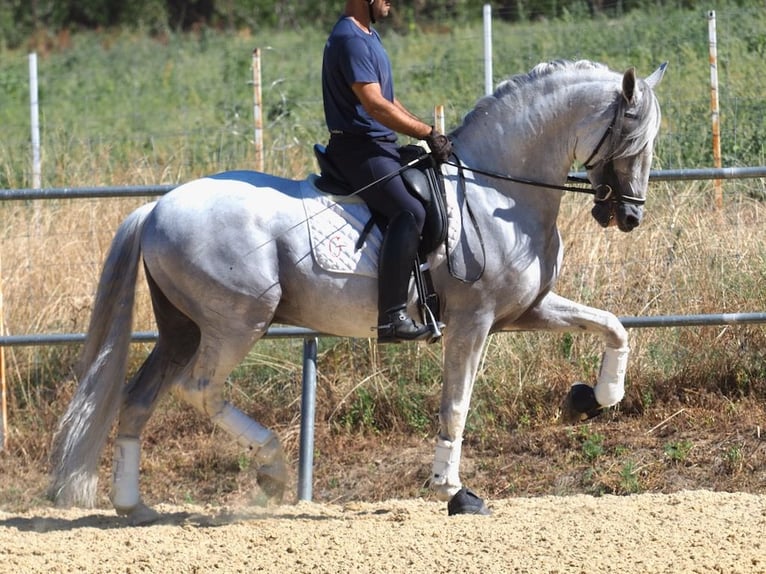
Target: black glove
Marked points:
440	146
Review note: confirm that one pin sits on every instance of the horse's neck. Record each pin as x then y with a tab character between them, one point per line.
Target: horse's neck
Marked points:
517	147
528	137
491	198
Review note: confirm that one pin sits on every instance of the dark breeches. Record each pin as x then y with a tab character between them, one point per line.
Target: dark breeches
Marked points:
362	161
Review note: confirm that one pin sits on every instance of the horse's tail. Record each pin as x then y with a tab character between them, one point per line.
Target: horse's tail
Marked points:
83	429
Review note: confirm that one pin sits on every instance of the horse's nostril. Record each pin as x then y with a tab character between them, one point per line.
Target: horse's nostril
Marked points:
631	222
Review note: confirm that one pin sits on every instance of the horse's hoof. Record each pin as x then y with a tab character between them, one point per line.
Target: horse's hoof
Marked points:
467	502
274	489
580	404
272	479
139	515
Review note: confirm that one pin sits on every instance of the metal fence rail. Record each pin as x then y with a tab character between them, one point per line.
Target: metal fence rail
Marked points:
154	190
287	332
309	368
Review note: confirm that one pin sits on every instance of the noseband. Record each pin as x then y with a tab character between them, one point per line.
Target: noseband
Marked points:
605	191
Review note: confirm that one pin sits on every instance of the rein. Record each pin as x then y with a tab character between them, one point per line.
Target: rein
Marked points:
514	179
604	191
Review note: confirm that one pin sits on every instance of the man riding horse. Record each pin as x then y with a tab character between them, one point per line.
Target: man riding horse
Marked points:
363	117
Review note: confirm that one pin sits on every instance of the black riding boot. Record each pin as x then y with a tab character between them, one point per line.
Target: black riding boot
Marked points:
397	255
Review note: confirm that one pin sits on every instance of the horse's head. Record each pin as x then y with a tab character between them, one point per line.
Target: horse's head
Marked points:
618	168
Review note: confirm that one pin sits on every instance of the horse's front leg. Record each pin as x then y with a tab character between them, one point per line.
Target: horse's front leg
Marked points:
462	354
555	313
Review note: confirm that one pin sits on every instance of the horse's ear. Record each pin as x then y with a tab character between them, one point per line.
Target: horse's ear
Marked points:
656	76
629	84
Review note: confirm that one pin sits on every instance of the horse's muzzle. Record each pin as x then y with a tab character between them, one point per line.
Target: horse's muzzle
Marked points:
626	216
629	216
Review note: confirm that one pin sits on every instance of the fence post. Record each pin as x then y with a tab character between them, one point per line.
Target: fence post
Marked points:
308	410
714	108
439	118
488	84
3	401
34	117
257	110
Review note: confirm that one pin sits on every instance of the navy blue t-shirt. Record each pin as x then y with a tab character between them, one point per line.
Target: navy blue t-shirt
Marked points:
351	55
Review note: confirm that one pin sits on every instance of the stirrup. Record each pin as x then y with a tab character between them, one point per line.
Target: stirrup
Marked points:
433	325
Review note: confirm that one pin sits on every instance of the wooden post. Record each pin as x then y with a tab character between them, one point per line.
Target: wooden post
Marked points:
439	118
257	113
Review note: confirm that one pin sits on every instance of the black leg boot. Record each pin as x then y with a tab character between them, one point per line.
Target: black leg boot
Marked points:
397	254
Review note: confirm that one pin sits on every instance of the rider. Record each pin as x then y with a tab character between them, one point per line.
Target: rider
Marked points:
363	118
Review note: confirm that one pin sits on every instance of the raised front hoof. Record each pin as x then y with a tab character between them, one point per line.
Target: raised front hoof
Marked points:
465	501
580	404
139	515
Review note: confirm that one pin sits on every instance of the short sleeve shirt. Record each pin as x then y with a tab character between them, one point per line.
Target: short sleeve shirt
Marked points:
350	56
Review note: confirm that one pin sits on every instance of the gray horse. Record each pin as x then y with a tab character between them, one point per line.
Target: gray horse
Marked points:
228	255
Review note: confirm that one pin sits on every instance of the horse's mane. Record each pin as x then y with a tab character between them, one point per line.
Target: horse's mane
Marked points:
622	143
542	70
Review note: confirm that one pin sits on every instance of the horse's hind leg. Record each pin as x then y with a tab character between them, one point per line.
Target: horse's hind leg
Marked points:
143	391
177	343
203	389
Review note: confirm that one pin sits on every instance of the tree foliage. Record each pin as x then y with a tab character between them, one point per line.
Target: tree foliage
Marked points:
20	18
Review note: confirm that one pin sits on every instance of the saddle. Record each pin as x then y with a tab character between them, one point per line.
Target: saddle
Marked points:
421	180
425	183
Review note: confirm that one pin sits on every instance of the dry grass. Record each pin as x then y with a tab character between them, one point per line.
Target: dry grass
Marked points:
693	416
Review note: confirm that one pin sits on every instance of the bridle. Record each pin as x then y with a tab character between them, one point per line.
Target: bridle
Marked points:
602	193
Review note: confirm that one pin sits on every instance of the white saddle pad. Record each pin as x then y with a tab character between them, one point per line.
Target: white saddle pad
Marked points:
336	223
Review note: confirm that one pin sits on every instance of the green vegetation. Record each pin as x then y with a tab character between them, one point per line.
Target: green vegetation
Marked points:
678	451
592	446
118	107
19	18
